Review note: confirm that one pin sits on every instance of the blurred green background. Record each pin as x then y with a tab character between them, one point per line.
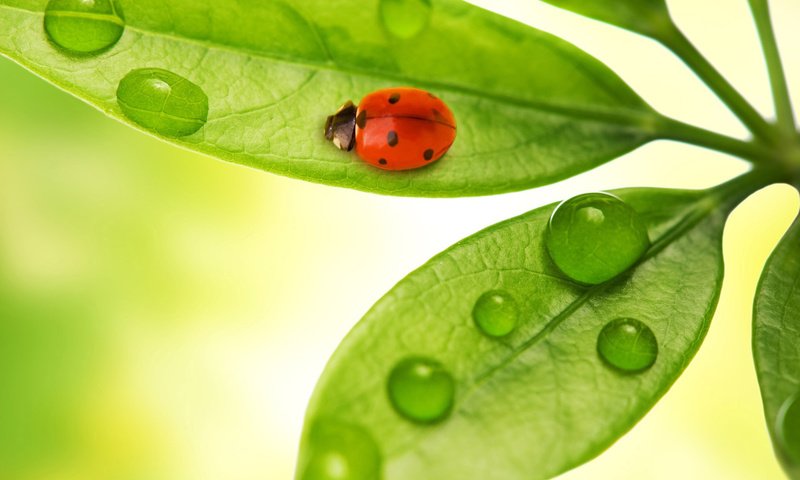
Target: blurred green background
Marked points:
164	316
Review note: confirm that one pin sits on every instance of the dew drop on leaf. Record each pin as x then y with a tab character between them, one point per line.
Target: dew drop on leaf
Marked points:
84	26
405	18
163	102
421	390
788	428
627	345
340	451
496	313
594	237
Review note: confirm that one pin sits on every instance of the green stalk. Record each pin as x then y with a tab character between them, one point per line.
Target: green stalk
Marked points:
670	129
736	190
777	77
672	38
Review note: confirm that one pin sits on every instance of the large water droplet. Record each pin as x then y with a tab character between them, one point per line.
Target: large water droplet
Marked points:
163	102
405	18
84	26
628	345
594	237
339	451
787	428
495	313
421	390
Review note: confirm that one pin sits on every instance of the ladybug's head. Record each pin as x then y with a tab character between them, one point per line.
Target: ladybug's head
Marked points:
341	127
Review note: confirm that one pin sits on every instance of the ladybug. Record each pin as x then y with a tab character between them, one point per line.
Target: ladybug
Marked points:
394	128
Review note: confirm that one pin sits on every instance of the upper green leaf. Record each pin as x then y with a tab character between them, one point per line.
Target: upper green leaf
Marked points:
647	17
531	108
776	347
540	400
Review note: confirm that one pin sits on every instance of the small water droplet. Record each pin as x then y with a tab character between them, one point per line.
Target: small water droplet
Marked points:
421	390
592	238
628	345
84	26
340	451
405	18
495	313
163	102
787	428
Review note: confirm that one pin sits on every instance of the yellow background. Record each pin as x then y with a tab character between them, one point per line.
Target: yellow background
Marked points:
164	316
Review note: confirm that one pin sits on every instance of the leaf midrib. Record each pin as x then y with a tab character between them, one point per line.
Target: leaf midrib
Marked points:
646	121
164	114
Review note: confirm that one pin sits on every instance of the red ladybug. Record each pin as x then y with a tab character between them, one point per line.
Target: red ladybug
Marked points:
394	128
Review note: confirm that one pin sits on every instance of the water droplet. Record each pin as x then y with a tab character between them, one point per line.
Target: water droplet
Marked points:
495	313
592	238
421	390
405	18
628	345
340	451
163	102
787	428
84	26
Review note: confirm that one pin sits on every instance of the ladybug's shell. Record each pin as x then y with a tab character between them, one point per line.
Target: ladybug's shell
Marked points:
403	128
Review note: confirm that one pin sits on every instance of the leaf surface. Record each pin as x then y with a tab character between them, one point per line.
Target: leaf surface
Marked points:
540	401
647	17
776	337
531	108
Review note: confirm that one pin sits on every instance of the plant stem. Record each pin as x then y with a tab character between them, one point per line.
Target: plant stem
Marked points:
676	41
734	191
670	129
777	77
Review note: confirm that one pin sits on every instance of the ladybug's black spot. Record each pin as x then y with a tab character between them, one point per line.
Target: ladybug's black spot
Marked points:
394	98
361	119
392	139
382	161
428	154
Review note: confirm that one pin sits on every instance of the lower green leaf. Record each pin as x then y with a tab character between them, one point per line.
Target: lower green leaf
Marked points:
776	347
488	362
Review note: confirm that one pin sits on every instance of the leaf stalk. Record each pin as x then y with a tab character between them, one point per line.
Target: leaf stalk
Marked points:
734	191
674	39
753	151
777	76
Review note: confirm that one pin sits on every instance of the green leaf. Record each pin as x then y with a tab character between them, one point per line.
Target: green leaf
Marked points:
531	108
648	17
651	18
539	401
776	345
